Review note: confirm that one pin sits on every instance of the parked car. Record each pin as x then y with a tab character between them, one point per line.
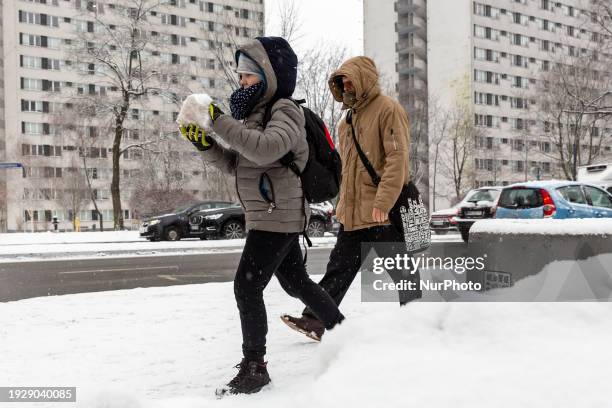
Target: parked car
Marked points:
477	205
321	219
599	175
554	199
175	225
229	222
225	223
443	221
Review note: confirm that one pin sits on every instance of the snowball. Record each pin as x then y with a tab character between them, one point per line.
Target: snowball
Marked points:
195	109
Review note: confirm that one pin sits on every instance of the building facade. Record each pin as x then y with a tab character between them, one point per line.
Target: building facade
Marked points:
486	58
395	37
40	80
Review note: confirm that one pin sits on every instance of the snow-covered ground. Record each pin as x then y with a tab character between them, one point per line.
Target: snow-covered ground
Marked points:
33	246
170	347
45	245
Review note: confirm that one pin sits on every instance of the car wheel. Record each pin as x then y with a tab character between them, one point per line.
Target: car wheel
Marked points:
316	228
173	234
233	230
465	234
153	239
442	232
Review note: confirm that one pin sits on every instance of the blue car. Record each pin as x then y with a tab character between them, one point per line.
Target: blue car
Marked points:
554	199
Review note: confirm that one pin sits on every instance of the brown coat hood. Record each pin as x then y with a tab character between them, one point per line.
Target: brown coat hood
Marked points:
364	76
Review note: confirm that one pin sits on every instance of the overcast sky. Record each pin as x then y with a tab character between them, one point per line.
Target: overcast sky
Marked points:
337	22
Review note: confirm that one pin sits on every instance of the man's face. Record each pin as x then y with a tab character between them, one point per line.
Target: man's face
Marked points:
348	85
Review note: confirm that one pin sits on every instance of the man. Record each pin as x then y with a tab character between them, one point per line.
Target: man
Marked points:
382	130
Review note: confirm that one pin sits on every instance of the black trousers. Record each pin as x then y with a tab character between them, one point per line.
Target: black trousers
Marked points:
345	261
267	253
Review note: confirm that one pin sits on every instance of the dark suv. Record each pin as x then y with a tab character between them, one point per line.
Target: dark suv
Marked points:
229	222
477	205
175	225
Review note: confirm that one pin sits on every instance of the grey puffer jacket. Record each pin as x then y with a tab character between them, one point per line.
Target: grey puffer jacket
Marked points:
254	154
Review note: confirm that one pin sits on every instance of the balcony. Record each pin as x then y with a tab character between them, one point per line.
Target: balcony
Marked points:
420	52
405	7
417	30
416	71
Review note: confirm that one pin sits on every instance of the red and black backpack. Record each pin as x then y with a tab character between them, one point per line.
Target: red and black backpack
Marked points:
322	174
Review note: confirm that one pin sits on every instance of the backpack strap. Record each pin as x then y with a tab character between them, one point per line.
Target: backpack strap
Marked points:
288	160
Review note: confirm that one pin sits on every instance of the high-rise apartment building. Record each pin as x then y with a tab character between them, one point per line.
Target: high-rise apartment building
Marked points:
487	56
38	79
395	36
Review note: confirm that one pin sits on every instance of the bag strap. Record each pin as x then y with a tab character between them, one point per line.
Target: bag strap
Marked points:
362	155
288	160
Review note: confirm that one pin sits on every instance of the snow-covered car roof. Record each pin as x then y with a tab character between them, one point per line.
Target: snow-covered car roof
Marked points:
549	184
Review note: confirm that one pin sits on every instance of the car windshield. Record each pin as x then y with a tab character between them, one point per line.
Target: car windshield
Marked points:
482	195
520	198
182	208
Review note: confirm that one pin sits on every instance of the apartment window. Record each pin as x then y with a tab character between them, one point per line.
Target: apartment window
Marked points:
519	103
30	62
486	77
485	10
38	19
31	84
487	121
481	98
31	128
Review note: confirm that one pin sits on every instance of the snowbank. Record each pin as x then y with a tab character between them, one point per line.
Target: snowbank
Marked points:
546	226
170	347
32	246
37	246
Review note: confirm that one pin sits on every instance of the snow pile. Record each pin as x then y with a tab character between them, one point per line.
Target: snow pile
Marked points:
32	246
195	109
28	238
545	226
170	347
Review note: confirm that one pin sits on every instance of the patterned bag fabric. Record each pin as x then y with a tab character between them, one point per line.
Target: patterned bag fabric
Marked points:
409	215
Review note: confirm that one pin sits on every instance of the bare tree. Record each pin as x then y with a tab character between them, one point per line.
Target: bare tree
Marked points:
290	22
77	126
571	103
316	66
440	120
73	189
120	48
456	159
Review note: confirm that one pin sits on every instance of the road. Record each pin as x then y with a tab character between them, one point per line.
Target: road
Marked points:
42	278
24	280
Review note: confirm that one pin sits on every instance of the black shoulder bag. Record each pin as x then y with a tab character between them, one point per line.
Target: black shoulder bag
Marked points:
408	215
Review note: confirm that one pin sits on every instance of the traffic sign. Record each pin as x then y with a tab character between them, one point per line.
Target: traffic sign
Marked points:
10	165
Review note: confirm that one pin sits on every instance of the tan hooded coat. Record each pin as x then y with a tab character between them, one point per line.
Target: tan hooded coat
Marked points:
382	129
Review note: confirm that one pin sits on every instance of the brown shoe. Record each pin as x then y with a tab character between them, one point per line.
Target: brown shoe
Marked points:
312	328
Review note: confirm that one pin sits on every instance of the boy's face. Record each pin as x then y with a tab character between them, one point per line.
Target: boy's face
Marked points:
247	80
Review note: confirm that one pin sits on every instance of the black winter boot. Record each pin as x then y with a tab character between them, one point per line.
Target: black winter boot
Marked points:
251	378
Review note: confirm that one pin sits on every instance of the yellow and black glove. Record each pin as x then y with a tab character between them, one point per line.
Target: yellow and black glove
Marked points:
215	112
197	137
